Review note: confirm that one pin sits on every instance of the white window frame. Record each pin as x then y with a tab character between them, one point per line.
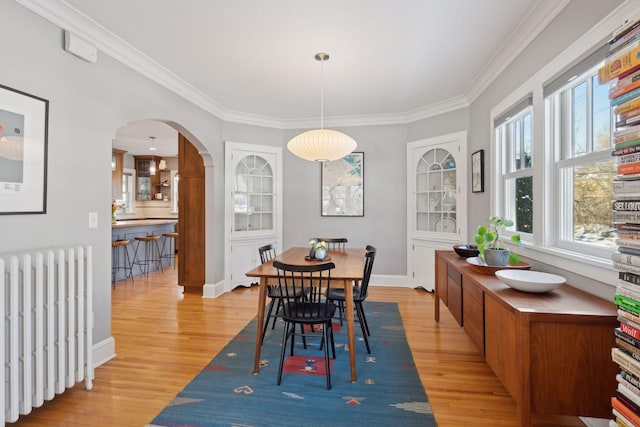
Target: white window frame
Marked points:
507	172
543	248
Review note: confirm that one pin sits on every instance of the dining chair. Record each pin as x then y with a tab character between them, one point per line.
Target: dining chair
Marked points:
335	243
292	281
360	293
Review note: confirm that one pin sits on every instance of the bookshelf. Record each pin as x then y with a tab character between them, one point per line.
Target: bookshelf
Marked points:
622	71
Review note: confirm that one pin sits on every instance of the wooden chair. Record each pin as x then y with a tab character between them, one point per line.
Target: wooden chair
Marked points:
293	280
360	293
335	243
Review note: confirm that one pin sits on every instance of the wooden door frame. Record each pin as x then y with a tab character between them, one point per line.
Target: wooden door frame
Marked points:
191	217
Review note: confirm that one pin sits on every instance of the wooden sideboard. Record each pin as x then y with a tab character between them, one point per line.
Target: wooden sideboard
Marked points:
552	351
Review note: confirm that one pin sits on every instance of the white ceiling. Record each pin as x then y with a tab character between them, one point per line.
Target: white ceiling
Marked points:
253	61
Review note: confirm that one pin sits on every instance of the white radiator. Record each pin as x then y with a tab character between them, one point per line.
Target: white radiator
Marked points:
48	321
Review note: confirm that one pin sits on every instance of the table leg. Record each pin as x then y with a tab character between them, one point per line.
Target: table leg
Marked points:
348	297
259	322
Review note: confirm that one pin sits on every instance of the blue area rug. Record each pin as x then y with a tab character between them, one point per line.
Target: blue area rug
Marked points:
387	392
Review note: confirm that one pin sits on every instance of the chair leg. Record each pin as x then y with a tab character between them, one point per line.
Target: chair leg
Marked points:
341	311
266	322
275	316
362	326
325	333
285	337
364	317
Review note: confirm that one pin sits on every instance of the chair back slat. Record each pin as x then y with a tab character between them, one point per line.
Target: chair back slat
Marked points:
267	252
296	280
369	257
335	243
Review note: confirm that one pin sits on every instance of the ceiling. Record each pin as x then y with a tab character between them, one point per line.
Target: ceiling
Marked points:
252	61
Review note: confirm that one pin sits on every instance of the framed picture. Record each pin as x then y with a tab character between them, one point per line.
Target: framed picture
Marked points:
23	152
342	186
477	172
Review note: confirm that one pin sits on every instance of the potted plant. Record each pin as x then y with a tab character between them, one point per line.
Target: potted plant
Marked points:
491	245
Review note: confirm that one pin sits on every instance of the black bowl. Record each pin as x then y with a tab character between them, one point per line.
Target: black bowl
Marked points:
466	251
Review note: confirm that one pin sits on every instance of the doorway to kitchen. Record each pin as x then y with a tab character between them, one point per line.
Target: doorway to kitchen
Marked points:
175	190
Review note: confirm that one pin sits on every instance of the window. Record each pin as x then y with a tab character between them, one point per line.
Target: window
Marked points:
128	196
515	141
579	122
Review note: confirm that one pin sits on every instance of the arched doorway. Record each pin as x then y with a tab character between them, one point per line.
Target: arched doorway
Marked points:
174	145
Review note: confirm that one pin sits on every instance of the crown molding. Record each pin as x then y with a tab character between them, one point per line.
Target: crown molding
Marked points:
67	17
533	23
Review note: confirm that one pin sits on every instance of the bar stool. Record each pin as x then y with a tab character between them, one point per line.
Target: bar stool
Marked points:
149	256
115	260
172	237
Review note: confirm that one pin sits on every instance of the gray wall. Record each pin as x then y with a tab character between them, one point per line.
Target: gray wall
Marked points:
384	223
88	103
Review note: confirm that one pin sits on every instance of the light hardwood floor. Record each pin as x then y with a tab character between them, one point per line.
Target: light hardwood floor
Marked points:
163	339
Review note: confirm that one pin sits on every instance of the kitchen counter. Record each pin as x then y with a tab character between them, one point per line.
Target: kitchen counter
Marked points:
142	222
130	229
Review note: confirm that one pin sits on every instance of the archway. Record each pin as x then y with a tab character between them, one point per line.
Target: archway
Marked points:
189	159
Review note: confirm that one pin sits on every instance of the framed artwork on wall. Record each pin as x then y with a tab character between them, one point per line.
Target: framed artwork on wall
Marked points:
477	172
23	152
342	186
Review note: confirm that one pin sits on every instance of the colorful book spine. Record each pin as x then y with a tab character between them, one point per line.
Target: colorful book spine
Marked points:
619	65
629	277
625	337
628	158
625	151
628	348
628	168
630	330
619	266
625	361
627	243
626	97
626	205
624	410
628	217
627	106
630	378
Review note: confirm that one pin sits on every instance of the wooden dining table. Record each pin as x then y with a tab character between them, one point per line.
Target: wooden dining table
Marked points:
349	267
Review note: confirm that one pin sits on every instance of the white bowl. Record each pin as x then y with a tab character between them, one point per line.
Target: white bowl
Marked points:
530	281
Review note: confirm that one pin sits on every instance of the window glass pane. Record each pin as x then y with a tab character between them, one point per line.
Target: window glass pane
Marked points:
579	122
516	145
601	115
524	204
593	187
526	141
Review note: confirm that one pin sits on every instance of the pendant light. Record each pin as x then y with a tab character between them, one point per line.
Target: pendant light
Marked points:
152	163
321	145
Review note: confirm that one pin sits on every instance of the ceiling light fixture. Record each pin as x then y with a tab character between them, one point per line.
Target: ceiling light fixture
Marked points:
321	145
152	147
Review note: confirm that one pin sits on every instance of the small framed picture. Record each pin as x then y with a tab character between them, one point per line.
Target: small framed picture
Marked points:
477	172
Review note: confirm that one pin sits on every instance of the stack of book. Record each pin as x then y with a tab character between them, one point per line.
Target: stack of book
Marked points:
622	70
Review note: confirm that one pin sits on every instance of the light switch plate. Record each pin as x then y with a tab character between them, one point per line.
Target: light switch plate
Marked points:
93	219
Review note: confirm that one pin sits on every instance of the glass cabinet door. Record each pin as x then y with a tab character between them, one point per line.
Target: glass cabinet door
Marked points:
436	197
253	195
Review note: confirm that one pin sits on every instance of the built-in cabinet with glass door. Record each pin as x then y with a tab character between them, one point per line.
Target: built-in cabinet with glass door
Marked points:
436	202
253	184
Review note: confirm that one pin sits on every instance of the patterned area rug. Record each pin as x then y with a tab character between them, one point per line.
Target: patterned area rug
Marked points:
387	392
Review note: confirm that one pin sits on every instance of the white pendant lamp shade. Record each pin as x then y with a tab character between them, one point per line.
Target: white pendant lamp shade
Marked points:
321	145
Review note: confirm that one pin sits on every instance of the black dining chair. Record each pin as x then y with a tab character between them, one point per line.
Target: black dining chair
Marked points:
360	293
293	280
335	243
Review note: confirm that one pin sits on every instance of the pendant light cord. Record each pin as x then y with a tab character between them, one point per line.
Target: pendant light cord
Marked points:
322	93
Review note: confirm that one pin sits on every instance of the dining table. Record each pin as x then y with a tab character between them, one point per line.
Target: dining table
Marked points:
349	267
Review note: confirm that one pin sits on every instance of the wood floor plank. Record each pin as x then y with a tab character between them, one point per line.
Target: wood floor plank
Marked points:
164	338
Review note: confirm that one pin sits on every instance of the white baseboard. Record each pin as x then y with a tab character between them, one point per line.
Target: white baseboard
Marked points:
104	351
213	290
388	280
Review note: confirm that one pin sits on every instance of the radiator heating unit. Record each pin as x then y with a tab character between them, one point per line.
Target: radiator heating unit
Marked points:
48	320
